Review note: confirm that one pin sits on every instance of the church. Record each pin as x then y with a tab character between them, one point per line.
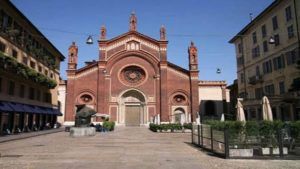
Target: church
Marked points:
133	83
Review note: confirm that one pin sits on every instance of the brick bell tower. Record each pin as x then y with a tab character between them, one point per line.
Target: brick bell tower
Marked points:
194	80
72	66
73	56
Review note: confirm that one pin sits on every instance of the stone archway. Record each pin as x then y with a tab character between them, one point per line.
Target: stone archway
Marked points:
132	109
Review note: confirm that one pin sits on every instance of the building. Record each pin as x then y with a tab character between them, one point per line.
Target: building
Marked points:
134	83
234	94
29	73
267	50
214	99
62	86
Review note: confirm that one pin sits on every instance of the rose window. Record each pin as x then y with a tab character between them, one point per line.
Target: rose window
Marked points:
133	75
86	98
179	99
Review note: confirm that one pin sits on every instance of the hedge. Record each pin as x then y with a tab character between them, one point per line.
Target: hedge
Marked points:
170	126
11	64
267	131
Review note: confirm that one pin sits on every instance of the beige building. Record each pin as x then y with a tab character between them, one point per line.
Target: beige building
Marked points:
62	100
213	99
29	74
267	50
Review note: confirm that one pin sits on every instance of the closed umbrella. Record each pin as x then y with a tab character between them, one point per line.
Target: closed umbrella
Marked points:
266	109
222	117
240	112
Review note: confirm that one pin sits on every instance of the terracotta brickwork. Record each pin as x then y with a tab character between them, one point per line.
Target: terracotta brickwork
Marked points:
133	70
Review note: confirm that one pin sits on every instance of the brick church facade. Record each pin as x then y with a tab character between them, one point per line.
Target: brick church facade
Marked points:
133	82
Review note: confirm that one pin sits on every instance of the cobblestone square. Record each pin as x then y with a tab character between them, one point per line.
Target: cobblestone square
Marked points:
127	147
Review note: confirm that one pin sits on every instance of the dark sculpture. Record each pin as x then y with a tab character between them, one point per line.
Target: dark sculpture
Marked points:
83	116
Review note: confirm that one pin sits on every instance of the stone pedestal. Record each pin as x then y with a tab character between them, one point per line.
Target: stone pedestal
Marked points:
82	131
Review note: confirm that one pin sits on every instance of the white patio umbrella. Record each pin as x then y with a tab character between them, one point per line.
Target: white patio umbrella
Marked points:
240	112
266	109
222	117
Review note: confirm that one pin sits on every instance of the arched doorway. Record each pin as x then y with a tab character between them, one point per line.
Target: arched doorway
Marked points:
132	108
179	115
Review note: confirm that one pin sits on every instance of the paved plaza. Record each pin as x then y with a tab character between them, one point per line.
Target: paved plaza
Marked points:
127	147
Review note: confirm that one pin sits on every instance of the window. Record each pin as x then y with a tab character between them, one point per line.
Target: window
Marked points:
257	70
242	95
240	61
254	38
275	23
281	87
51	75
277	40
22	91
14	53
291	57
252	113
255	52
265	46
40	68
288	13
25	60
11	88
2	47
263	31
267	67
259	93
269	90
240	48
38	95
242	78
46	72
47	97
278	62
290	31
31	93
32	64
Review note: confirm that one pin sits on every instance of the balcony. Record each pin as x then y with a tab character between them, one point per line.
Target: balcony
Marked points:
255	79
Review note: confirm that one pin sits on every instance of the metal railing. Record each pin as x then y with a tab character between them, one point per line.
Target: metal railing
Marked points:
227	144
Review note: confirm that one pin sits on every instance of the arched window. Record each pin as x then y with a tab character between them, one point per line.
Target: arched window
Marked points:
210	108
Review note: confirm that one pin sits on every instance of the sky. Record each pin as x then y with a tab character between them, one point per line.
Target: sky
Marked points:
210	24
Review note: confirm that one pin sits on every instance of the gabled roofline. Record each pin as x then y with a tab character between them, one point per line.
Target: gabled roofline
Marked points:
172	65
132	32
62	57
256	19
86	67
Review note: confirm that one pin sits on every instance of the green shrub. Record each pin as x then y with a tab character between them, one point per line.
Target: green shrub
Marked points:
11	64
295	129
109	125
153	127
251	128
188	126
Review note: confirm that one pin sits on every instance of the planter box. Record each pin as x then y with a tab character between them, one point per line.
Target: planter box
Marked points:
240	152
274	151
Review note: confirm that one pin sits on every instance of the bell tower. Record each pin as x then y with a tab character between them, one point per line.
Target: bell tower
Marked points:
73	56
194	80
193	57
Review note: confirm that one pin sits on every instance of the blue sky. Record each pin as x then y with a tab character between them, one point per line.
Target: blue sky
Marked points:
210	24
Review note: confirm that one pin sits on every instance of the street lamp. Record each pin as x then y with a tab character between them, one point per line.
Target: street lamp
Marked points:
218	71
89	40
271	40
